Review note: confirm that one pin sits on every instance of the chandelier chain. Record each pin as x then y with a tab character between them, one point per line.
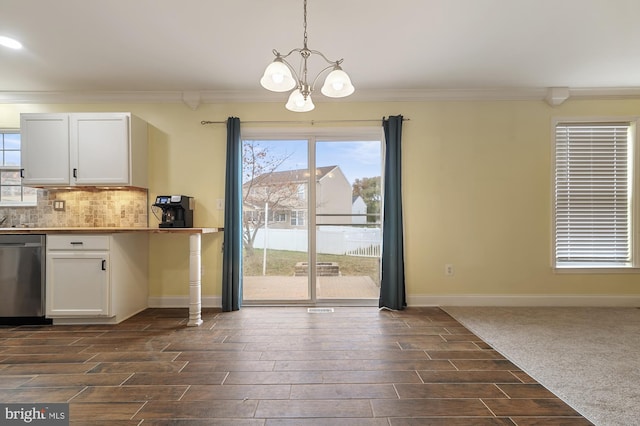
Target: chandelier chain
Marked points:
303	86
305	23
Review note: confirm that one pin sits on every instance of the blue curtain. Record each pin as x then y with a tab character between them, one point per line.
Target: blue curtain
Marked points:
232	246
392	289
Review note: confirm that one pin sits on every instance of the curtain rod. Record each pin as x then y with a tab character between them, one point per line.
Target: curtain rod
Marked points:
311	122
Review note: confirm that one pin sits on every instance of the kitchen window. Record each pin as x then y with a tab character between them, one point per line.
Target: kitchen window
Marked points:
595	186
12	193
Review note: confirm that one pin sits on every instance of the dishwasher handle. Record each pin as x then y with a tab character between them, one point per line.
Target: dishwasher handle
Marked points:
19	245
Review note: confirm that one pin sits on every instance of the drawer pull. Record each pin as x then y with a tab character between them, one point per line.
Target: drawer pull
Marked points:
104	265
76	243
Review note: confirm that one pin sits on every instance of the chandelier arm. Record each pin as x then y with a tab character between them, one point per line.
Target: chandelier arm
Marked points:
313	86
332	64
317	52
279	55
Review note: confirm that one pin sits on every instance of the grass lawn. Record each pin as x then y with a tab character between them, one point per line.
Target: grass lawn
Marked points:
282	263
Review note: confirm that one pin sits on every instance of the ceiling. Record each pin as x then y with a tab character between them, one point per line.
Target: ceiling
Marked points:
405	49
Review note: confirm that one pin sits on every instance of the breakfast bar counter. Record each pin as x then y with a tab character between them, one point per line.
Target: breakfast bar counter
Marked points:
195	256
105	230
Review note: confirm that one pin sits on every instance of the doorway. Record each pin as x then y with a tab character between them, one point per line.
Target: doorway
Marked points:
311	218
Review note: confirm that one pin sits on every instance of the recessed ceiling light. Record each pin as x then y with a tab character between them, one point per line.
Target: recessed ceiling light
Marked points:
10	43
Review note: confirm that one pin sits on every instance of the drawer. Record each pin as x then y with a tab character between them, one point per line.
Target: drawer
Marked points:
77	242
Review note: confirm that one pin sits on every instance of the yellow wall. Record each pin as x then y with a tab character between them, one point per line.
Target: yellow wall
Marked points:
477	189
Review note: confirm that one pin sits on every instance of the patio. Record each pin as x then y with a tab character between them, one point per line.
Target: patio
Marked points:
296	288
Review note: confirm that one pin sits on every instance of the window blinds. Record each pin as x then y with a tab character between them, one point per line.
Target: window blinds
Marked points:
592	202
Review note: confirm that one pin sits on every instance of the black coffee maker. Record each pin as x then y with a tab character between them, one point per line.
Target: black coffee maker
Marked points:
177	211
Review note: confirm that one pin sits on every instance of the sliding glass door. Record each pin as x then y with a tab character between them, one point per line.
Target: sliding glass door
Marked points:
311	217
347	220
275	224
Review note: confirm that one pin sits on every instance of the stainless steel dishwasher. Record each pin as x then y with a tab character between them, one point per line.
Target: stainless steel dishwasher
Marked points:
22	278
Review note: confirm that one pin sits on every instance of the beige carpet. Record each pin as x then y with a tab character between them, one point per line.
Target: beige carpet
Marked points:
589	357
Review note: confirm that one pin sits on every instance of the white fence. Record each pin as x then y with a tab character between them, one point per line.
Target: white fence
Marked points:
340	240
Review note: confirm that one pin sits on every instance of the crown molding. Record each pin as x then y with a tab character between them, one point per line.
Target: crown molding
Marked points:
89	97
193	99
605	93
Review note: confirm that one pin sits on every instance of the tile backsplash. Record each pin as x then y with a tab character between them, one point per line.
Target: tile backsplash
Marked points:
90	207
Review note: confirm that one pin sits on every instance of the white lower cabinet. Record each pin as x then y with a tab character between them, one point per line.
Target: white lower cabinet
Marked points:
78	284
99	278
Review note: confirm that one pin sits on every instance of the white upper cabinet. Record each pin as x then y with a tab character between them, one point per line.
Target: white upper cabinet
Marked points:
45	149
100	147
94	149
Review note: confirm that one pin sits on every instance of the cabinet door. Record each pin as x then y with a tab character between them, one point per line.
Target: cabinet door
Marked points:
45	149
100	149
78	284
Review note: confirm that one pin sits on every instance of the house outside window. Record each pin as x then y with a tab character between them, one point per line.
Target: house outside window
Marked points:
12	193
595	210
302	192
298	217
280	217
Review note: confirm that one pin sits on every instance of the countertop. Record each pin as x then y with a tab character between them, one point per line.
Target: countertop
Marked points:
90	230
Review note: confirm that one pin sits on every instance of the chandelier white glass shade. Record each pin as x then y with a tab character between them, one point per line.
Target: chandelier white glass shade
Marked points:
298	103
281	76
277	77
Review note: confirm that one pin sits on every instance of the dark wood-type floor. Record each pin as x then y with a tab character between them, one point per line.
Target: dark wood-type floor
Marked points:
274	366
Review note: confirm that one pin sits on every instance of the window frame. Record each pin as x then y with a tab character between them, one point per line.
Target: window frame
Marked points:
17	168
280	216
299	217
634	205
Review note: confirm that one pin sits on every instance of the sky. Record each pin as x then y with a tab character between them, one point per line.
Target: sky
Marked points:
357	159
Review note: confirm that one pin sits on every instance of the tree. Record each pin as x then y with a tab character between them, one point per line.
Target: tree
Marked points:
260	189
369	189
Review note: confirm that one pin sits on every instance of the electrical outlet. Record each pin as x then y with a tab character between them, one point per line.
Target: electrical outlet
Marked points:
448	270
220	204
58	205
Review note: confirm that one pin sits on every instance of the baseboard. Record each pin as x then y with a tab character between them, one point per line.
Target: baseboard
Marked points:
603	300
183	302
116	319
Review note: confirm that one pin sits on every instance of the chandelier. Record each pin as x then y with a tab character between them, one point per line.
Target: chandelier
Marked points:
281	76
